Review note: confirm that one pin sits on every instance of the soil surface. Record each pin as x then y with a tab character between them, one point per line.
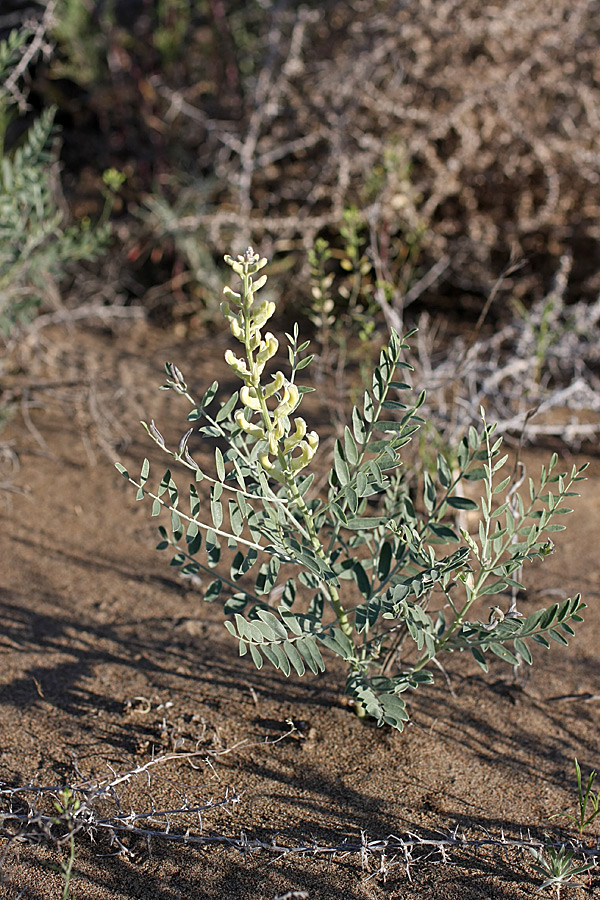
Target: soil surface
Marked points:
111	664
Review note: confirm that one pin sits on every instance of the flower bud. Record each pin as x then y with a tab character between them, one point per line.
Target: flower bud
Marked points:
313	440
276	385
255	431
307	451
263	313
256	285
231	295
238	365
266	462
236	329
295	439
289	401
236	265
254	342
249	397
272	468
268	349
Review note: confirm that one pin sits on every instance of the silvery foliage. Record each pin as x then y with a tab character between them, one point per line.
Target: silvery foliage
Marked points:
367	571
35	243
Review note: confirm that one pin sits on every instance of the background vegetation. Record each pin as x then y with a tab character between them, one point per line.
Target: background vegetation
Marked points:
430	163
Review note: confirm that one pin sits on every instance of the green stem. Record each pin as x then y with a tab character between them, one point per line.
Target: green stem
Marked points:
334	596
68	869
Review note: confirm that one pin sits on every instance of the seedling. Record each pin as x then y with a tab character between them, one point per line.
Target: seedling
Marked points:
558	865
67	806
585	799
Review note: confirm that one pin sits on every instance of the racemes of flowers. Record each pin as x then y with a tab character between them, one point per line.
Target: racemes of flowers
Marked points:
370	570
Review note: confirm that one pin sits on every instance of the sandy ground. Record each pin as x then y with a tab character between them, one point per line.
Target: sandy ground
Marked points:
108	658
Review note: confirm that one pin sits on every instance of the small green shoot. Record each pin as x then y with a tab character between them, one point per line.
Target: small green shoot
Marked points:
585	798
66	806
558	865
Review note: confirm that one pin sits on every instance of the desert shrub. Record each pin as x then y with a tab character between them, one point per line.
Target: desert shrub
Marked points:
36	241
383	577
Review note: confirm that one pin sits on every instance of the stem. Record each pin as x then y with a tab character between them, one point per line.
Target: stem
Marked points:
182	515
334	596
67	868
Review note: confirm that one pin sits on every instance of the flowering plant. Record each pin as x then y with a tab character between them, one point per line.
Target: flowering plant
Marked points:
370	572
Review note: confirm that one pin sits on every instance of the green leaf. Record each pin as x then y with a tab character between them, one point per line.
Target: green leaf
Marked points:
307	647
193	539
557	636
219	464
350	448
194	502
236	518
316	606
165	482
365	523
176	526
209	395
393	404
540	639
304	362
496	588
376	472
385	561
523	650
273	622
429	492
256	657
226	408
388	425
122	470
338	513
213	548
216	511
236	604
479	658
289	594
444	532
476	474
502	485
461	503
358	427
362	485
294	657
351	498
504	653
213	590
290	620
443	472
498	465
340	465
386	706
